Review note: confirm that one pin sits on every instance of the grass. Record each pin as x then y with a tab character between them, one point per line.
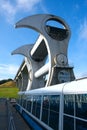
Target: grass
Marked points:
8	90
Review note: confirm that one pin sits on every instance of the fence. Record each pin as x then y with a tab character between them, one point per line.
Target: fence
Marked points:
11	124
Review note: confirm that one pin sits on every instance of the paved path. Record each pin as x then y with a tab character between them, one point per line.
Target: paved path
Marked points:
3	115
19	122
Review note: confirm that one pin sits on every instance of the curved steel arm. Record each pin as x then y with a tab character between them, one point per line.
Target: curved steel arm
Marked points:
37	22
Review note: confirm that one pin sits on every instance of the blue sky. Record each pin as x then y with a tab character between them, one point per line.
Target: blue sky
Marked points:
74	12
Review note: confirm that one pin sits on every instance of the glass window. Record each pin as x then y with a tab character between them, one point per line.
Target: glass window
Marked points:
45	109
69	104
54	111
24	103
34	105
29	103
81	125
68	123
21	100
50	111
81	106
38	106
18	99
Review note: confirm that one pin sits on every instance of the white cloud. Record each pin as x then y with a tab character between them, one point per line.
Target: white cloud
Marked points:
82	41
26	5
83	31
7	7
8	71
10	8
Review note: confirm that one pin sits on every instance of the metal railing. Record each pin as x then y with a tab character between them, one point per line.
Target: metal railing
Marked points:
11	124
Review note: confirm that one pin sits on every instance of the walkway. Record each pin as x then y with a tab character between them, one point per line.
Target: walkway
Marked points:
3	115
19	122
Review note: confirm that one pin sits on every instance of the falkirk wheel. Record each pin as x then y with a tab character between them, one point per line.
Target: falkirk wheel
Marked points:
47	59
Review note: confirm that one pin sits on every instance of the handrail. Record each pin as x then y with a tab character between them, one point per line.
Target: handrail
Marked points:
11	124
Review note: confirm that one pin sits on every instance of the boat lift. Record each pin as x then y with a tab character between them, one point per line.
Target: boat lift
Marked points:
47	59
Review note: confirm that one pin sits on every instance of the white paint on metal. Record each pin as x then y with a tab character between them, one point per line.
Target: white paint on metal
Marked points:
43	70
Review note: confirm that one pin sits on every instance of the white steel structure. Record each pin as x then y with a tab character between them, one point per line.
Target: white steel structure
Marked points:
46	60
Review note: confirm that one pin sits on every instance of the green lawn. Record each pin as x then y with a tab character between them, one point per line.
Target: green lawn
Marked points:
10	92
